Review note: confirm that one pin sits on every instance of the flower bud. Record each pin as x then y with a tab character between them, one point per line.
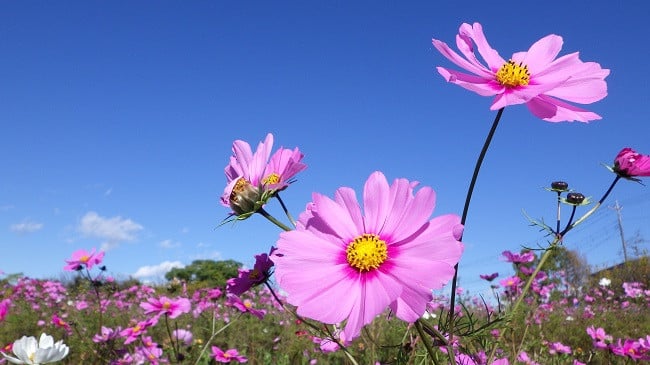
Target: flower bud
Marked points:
559	186
244	197
575	198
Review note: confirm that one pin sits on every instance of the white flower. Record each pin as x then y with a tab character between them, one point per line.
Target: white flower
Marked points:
604	282
28	351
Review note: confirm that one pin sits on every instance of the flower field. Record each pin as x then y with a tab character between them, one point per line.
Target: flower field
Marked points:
368	276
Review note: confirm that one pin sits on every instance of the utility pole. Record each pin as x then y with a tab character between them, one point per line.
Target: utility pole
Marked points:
618	209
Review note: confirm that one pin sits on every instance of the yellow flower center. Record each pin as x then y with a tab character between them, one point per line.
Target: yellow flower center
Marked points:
513	75
366	252
239	187
84	258
248	304
167	305
271	179
254	274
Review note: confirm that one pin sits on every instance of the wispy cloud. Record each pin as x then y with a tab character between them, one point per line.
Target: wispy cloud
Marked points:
6	207
108	192
156	272
26	226
208	255
169	244
113	231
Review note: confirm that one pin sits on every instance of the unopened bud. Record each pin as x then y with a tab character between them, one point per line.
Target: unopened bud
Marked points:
559	186
575	198
244	197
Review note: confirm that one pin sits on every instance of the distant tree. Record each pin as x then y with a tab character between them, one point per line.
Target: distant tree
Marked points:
574	265
206	272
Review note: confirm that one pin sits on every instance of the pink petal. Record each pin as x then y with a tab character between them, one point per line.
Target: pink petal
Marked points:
335	216
480	85
490	55
375	203
346	197
554	110
452	56
541	53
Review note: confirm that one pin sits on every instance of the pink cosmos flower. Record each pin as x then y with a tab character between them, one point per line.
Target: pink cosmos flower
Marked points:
82	259
249	278
227	356
516	258
244	306
389	255
489	277
4	308
251	177
559	348
628	348
163	305
600	338
535	78
628	163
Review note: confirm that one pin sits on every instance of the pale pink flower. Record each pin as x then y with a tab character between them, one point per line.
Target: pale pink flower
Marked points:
390	254
628	163
535	78
82	259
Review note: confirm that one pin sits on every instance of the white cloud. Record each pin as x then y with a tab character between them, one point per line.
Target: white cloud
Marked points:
113	230
26	227
108	192
208	255
169	244
156	271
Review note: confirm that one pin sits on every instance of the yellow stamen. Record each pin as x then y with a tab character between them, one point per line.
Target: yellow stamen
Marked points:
239	187
167	305
84	258
271	179
513	75
366	252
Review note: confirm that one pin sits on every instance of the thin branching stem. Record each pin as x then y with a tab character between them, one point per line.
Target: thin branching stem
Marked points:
463	219
273	220
284	208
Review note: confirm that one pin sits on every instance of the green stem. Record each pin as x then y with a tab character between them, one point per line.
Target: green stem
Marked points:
273	220
425	341
463	218
286	211
523	293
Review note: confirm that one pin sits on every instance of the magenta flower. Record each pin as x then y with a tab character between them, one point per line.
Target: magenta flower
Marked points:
489	277
516	258
244	306
389	255
629	348
133	333
4	308
251	177
82	259
227	356
628	163
559	348
170	307
535	78
249	278
600	338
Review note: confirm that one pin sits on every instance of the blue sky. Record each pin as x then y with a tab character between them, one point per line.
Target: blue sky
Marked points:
118	118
